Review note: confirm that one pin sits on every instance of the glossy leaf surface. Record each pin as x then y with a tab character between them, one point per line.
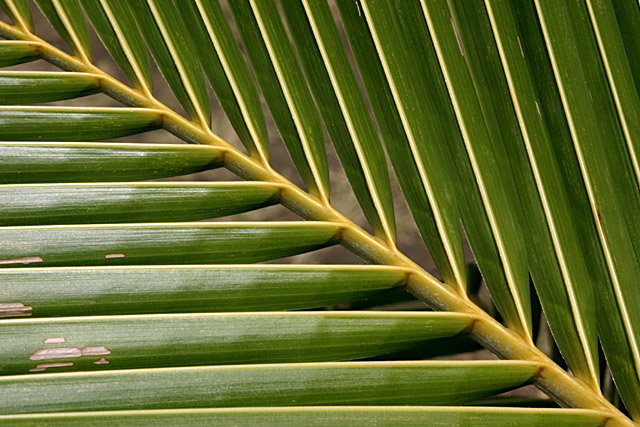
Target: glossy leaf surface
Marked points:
31	88
170	243
74	124
118	31
510	125
123	342
68	162
351	129
383	383
229	76
285	90
17	52
104	203
190	289
322	416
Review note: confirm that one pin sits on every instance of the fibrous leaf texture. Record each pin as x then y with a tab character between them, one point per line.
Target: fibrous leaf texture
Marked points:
310	212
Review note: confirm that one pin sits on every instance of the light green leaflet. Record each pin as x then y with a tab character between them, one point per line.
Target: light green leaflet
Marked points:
283	384
30	162
118	31
148	341
140	202
19	87
74	124
162	243
345	114
229	75
399	416
19	12
17	52
558	267
67	18
161	25
610	183
482	156
192	288
285	90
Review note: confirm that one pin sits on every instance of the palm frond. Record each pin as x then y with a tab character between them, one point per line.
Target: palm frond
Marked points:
510	123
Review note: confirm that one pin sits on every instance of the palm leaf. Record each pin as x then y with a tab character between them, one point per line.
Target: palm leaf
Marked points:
321	416
510	123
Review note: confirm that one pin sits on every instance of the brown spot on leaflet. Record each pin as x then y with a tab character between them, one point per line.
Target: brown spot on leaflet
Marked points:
14	309
95	350
109	256
44	366
24	260
56	353
69	352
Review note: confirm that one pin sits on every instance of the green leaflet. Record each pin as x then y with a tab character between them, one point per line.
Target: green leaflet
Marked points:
610	183
89	255
285	90
17	52
628	18
33	162
303	384
31	88
228	74
117	29
401	416
123	342
74	124
19	12
190	289
512	300
335	89
619	73
164	243
162	27
435	213
67	18
560	274
114	203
